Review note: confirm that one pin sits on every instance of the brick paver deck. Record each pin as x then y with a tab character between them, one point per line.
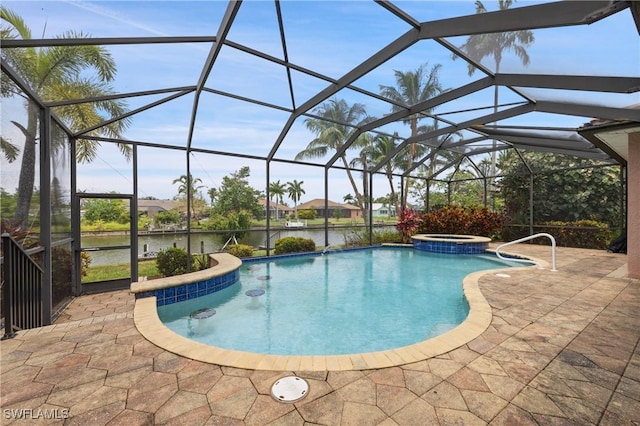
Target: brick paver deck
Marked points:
562	349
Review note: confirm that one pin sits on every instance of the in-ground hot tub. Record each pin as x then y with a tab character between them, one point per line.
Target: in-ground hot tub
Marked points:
451	243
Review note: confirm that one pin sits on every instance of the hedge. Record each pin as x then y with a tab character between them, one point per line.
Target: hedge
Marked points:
462	220
241	250
580	234
294	245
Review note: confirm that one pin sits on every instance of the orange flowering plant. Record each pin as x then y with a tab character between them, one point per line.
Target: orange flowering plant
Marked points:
408	222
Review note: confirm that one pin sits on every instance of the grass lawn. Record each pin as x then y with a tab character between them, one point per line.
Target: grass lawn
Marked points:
108	272
146	268
332	221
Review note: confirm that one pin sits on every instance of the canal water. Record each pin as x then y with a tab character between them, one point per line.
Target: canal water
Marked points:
202	242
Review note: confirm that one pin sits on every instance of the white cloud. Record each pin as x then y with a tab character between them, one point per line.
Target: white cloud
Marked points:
119	17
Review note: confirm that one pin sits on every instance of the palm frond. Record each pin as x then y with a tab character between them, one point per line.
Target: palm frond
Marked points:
9	150
18	24
312	152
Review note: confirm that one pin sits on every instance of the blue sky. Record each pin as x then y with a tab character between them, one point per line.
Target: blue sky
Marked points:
328	37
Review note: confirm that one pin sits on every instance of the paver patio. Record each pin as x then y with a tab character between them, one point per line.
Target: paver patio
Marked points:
562	349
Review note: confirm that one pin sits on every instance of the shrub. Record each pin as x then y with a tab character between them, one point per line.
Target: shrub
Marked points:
166	217
199	262
581	233
61	287
408	223
294	245
307	214
359	238
241	250
462	220
235	223
172	261
85	261
143	222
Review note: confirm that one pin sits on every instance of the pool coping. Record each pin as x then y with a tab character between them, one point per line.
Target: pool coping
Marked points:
452	238
220	264
148	323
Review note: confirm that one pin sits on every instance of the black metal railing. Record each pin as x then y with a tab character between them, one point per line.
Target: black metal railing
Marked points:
21	288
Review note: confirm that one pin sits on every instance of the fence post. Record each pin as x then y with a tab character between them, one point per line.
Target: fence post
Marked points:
7	297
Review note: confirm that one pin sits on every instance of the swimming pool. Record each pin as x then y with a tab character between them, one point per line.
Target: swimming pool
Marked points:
340	303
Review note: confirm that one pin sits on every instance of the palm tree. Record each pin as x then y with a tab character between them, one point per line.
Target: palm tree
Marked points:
348	199
189	189
61	73
295	192
276	190
363	160
336	123
212	193
413	87
382	146
479	46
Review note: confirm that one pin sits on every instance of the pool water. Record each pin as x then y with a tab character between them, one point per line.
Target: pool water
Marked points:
338	303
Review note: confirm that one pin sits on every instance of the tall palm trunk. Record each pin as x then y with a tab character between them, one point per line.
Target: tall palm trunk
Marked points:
27	170
412	154
393	193
493	142
359	197
276	218
193	210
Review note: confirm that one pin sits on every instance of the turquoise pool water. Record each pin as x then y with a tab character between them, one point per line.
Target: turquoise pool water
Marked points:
339	303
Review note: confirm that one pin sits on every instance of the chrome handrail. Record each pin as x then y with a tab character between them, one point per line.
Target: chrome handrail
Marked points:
531	237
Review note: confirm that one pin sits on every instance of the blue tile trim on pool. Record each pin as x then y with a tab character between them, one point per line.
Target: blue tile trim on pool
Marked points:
167	296
450	247
315	253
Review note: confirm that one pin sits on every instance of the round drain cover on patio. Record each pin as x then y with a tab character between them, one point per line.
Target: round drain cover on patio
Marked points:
289	389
